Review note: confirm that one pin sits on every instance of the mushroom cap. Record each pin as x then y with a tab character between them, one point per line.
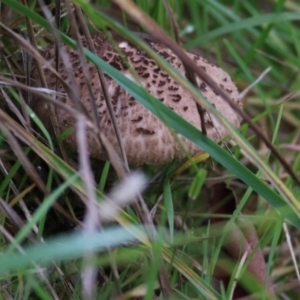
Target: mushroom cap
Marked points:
146	139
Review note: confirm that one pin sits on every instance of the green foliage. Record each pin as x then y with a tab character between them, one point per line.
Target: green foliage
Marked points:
188	245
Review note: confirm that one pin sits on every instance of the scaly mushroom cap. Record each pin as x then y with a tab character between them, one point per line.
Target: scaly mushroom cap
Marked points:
146	139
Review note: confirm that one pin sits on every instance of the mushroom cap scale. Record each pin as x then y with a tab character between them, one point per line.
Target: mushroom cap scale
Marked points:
146	139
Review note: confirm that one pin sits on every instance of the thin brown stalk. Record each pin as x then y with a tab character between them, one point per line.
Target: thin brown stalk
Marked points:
103	86
24	159
83	62
51	108
23	118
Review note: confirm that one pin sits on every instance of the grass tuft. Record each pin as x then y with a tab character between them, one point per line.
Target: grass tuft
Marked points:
224	228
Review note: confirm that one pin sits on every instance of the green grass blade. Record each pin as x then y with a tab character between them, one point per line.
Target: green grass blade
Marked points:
244	24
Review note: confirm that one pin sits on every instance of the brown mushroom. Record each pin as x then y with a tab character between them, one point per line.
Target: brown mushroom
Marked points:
146	139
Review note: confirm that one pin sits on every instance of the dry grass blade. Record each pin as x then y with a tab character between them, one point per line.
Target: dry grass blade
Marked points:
24	120
22	157
13	107
103	86
239	270
39	92
13	217
91	219
174	23
124	194
289	242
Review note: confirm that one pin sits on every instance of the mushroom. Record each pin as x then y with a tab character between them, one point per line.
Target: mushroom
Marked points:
146	139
